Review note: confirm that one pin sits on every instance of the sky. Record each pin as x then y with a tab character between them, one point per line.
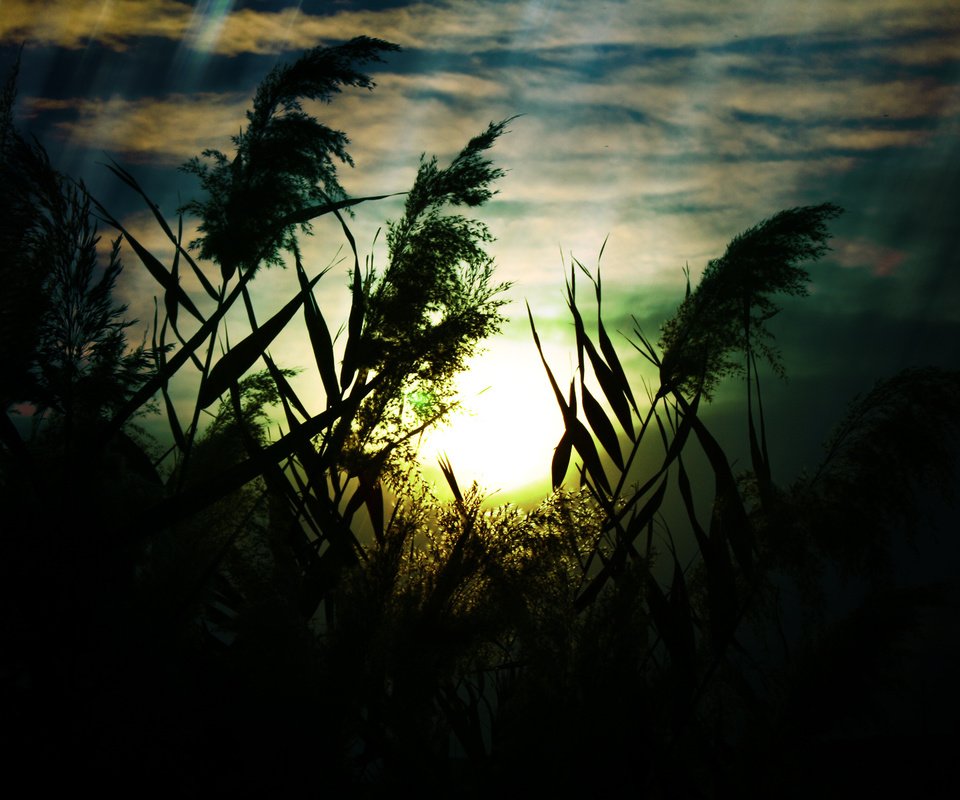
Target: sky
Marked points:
660	128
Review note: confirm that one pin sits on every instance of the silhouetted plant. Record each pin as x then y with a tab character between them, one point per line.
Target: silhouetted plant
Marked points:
23	265
711	687
85	370
328	465
284	170
65	347
282	176
303	598
435	301
893	452
365	403
728	310
453	605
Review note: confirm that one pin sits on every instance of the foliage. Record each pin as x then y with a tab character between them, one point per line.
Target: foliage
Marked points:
23	266
250	534
284	170
64	335
863	497
435	301
302	610
717	693
730	306
364	423
435	296
84	365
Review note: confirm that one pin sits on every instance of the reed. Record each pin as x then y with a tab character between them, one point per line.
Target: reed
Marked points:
302	610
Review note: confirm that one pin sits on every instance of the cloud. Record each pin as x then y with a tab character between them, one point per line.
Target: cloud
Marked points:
862	253
459	25
165	130
667	126
112	23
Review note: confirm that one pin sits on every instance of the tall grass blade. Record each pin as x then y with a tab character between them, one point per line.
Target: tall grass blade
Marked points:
729	514
159	354
571	287
606	346
601	427
637	523
587	450
616	368
572	399
172	419
758	440
312	212
169	298
348	367
612	389
553	381
287	395
721	583
177	241
319	339
561	459
203	280
132	182
244	354
686	494
673	619
154	267
447	469
647	350
687	423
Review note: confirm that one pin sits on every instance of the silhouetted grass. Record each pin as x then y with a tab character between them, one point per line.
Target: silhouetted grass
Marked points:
298	612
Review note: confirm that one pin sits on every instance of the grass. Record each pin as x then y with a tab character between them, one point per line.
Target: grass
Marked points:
213	613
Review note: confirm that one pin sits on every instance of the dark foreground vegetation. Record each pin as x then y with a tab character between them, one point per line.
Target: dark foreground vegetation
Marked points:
297	614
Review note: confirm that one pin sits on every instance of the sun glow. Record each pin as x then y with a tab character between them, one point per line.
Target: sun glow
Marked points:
504	436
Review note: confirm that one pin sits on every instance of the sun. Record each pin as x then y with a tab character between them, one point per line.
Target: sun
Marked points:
504	435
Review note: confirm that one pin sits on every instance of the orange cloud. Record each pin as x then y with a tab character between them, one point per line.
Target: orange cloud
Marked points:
168	130
110	22
456	25
865	254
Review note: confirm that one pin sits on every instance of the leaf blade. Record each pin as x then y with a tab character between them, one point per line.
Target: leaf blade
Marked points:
244	354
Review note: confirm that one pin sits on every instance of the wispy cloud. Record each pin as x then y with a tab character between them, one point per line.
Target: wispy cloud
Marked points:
113	23
664	125
679	113
165	130
880	260
461	25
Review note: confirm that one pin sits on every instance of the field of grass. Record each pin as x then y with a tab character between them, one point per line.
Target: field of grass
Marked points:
233	609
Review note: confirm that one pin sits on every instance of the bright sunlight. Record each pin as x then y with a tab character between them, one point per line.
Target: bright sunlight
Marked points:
505	434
